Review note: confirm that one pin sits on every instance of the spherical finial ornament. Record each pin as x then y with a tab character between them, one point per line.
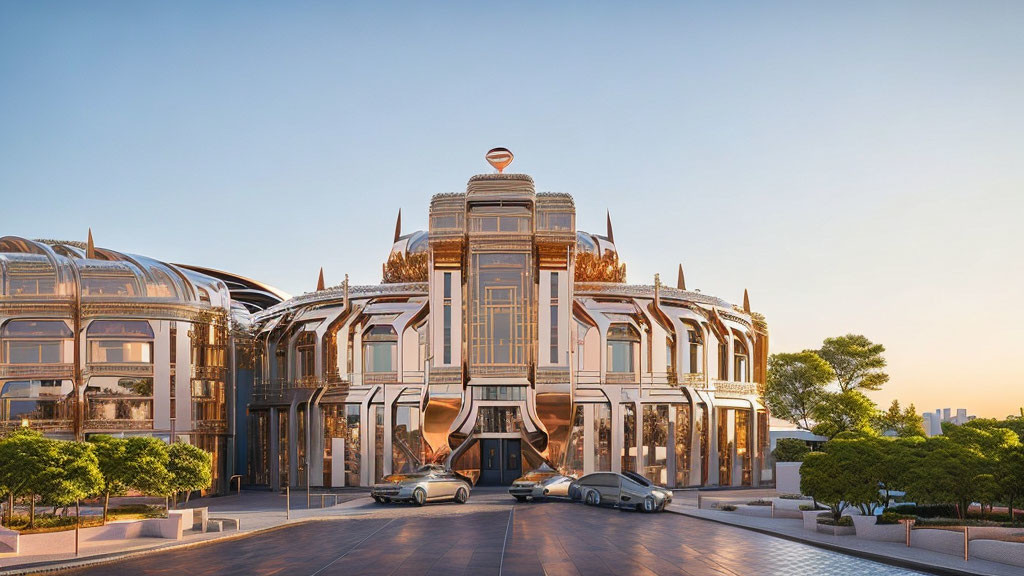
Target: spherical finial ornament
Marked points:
500	158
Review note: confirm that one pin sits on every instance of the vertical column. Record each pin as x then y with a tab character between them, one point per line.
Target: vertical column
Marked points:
275	450
183	380
162	375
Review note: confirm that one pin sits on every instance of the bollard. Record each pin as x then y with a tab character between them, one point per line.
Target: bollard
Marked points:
908	524
966	541
698	499
773	508
322	499
287	502
78	522
307	498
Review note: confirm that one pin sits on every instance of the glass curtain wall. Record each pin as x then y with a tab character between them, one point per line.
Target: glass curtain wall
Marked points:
574	447
682	444
655	439
628	438
406	439
500	319
602	437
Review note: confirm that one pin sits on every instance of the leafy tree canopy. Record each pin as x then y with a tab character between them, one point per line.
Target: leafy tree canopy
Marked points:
147	460
72	474
849	411
190	467
796	385
25	456
856	361
904	422
790	450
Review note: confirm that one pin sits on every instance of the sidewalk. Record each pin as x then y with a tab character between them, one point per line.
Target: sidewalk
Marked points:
256	511
892	553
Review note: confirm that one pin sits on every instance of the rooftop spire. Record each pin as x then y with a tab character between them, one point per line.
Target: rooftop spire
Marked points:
320	280
681	280
398	226
610	234
746	301
90	249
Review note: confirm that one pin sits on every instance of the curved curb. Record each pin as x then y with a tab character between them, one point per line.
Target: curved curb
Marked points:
880	558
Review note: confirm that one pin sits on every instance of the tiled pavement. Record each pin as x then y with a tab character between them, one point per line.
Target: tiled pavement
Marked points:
492	535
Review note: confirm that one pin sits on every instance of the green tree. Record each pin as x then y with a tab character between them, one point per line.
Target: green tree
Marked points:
946	474
988	490
856	361
838	412
790	450
148	461
896	462
796	385
72	474
1010	475
190	468
25	456
904	422
839	477
114	466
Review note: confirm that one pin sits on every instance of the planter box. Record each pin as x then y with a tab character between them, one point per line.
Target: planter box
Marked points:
786	508
787	477
836	530
936	540
867	528
10	539
1011	553
811	519
759	511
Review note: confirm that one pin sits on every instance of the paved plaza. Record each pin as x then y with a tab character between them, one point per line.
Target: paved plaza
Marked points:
494	535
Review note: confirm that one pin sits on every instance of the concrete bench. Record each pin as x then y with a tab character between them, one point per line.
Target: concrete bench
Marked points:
229	523
214	525
9	541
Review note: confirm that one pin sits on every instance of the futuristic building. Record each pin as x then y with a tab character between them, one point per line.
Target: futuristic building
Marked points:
96	341
498	339
501	338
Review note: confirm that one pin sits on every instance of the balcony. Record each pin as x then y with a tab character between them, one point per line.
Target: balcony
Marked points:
730	388
131	369
39	425
655	378
37	371
694	379
117	425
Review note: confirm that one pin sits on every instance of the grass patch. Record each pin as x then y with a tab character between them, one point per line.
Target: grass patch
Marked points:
57	523
791	497
759	502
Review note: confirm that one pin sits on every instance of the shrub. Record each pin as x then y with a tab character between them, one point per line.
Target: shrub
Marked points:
759	502
926	511
890	517
826	519
808	507
790	450
792	497
727	508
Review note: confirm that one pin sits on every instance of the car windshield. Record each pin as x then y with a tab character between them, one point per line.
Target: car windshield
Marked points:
636	478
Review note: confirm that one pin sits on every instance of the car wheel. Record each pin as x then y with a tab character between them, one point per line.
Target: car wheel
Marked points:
385	500
461	495
593	498
378	499
419	496
649	504
662	506
520	498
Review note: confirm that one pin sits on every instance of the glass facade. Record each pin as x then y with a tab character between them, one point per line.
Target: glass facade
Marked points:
628	437
407	452
500	309
602	437
655	443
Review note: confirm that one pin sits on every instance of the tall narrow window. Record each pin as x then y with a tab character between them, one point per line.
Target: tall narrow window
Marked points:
739	361
447	318
695	351
628	438
554	317
723	361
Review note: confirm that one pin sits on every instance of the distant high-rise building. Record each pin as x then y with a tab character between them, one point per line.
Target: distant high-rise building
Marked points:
933	420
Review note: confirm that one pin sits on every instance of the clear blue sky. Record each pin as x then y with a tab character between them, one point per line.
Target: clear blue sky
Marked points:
858	167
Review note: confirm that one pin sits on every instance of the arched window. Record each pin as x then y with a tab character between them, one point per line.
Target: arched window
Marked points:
34	341
113	398
623	340
120	341
37	400
380	349
740	362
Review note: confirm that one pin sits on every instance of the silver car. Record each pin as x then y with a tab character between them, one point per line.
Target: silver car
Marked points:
626	490
429	483
542	482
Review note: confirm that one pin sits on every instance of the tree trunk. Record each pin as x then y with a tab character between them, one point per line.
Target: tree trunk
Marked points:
106	506
187	494
10	508
32	511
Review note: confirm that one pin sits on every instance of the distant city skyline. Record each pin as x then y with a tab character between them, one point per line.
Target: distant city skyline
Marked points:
870	154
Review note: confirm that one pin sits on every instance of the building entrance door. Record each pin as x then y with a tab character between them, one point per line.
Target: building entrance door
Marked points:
500	461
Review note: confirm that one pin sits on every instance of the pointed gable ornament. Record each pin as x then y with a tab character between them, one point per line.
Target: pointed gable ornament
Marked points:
610	234
90	248
398	226
681	280
320	280
746	301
